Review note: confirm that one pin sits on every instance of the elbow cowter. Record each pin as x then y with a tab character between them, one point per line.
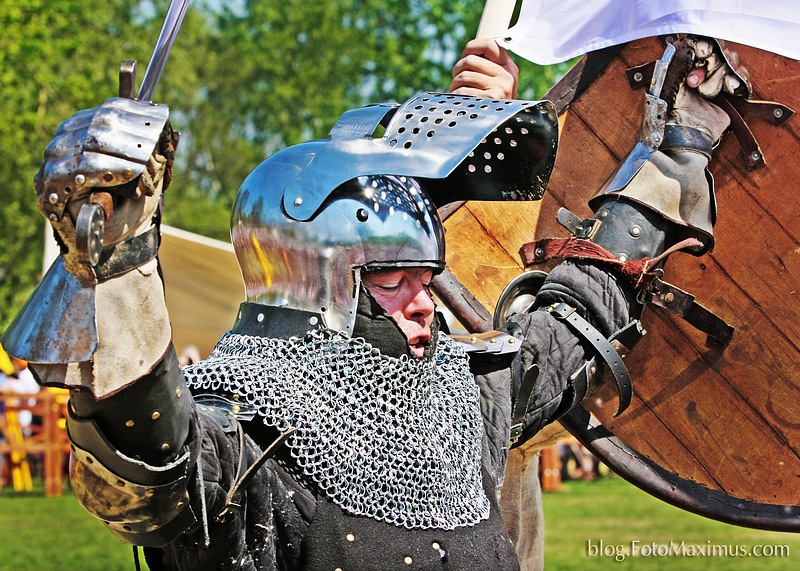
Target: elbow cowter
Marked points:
132	456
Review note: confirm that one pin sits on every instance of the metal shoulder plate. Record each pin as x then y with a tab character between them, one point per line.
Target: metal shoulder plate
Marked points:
470	148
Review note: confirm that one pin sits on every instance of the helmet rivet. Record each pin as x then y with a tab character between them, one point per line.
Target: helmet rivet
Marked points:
298	201
53	198
80	179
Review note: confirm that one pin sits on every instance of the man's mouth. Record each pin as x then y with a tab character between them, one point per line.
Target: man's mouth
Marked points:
418	346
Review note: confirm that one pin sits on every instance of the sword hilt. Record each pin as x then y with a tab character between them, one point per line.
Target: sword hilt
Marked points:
90	224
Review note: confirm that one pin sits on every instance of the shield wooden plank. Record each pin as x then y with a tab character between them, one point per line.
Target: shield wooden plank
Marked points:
721	424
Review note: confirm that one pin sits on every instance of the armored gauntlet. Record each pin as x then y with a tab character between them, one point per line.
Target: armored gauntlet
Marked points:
98	319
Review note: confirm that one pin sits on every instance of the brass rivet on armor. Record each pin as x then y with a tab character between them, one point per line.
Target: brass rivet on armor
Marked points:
165	447
236	408
594	370
492	341
156	415
511	341
54	217
636	231
350	537
604	214
178	393
298	201
80	179
436	545
53	198
408	560
473	339
129	423
669	298
235	396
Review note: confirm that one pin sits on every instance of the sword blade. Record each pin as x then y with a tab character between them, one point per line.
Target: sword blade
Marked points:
172	23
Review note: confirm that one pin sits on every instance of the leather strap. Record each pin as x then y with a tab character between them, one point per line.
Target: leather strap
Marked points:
683	304
244	477
605	350
125	256
522	402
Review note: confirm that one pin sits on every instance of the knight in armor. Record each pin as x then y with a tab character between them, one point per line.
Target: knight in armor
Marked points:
337	425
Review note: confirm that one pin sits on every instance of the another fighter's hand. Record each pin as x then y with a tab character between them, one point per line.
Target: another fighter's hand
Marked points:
712	74
485	70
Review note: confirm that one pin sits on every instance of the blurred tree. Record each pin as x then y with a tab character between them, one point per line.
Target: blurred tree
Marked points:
56	56
244	79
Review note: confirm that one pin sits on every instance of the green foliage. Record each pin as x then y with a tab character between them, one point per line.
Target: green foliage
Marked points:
56	56
244	79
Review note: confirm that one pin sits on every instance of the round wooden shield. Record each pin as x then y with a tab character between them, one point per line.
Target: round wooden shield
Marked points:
712	429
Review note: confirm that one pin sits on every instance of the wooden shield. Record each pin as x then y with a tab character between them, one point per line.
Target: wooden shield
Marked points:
713	430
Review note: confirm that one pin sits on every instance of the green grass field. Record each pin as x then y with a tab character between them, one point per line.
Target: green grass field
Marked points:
42	534
625	518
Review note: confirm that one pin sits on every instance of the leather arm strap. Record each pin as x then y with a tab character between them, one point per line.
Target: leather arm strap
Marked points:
605	350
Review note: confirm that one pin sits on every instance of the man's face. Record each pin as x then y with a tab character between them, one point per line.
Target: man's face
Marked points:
404	295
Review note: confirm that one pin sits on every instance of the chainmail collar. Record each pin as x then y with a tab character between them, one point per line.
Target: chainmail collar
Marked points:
394	439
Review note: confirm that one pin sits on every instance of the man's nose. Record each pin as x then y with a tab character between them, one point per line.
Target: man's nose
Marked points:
421	305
